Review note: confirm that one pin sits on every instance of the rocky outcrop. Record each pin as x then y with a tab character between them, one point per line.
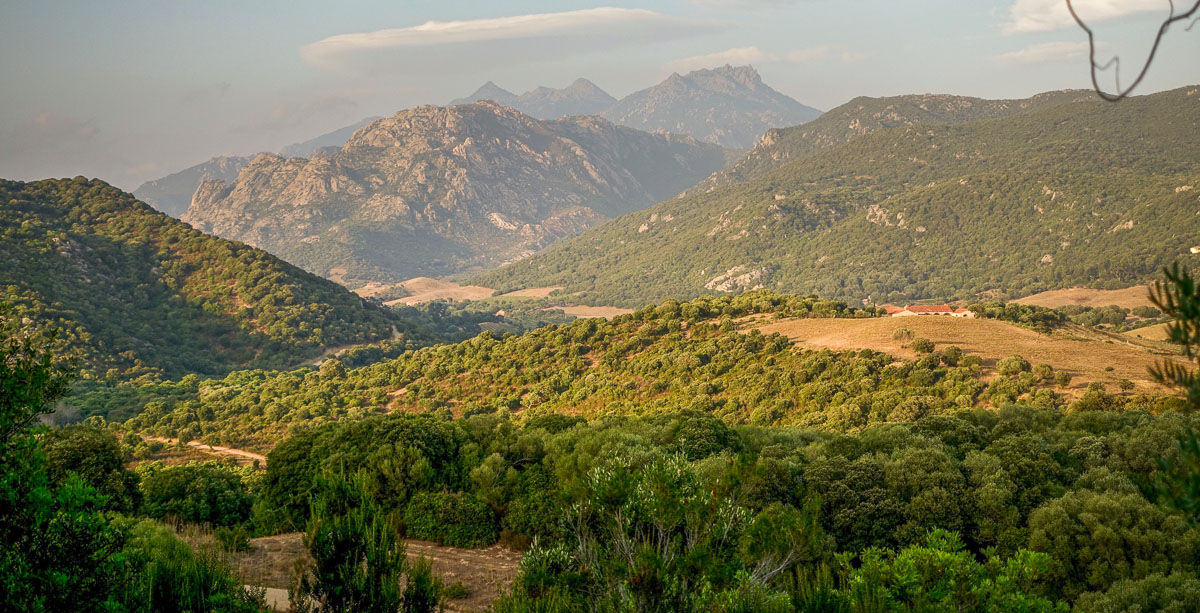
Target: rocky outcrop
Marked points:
433	191
172	193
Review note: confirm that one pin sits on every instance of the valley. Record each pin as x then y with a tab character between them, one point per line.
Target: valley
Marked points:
683	343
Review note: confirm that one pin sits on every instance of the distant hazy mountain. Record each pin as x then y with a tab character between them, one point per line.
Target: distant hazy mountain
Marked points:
172	193
579	98
337	138
1069	191
432	191
729	106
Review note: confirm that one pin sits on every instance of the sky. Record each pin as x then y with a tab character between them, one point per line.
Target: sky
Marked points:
131	90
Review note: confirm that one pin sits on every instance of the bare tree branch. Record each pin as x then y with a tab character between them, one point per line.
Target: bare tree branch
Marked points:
1193	14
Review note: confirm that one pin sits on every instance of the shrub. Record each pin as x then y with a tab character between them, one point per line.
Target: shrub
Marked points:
922	345
452	519
198	492
951	355
1012	365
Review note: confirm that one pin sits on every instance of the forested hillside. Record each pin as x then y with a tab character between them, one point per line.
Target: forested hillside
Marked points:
660	359
135	292
1099	195
864	115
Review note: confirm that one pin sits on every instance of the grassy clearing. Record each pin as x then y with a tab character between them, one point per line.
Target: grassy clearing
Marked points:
1129	297
1085	354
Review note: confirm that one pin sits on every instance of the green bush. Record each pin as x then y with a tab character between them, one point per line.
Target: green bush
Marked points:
452	519
922	345
210	493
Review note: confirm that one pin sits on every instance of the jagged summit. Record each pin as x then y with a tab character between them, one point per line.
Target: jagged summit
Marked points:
728	105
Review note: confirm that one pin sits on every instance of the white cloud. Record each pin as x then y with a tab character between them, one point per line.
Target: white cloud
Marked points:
738	56
754	55
1044	15
1042	53
499	41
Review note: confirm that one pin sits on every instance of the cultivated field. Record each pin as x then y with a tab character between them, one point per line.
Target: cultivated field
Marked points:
425	289
583	311
271	564
1083	353
1129	297
532	292
1157	332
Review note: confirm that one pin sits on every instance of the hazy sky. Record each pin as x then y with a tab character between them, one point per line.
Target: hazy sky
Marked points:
132	90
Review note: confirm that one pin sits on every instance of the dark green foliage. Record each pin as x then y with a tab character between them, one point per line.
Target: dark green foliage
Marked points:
423	590
1176	593
167	576
94	453
922	345
1069	194
359	562
450	519
207	492
58	552
936	575
31	374
136	292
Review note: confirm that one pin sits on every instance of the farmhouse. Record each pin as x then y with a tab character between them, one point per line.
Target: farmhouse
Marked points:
928	309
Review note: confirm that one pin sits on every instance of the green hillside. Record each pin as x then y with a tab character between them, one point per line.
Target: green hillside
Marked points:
136	292
864	115
1083	193
660	359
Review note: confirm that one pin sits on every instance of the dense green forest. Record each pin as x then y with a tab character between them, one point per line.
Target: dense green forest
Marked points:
1014	205
134	292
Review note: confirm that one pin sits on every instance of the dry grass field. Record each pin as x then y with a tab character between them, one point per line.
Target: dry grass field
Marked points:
1129	297
1157	332
532	292
1083	353
583	311
425	289
272	560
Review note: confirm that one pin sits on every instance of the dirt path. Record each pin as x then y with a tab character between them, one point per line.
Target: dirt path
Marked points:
214	449
484	572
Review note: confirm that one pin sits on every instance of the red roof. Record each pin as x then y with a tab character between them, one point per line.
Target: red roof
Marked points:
892	310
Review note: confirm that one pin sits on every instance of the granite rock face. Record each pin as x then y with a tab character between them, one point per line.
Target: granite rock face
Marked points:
438	190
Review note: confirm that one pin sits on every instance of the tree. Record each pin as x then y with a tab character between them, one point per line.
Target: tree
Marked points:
58	552
31	374
359	562
1062	378
922	345
207	492
95	454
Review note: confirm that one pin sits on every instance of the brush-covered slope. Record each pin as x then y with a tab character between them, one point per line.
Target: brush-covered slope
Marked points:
140	293
1084	193
864	115
432	191
729	106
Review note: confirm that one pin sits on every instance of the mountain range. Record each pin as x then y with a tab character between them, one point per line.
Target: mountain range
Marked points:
729	106
1058	191
579	98
433	191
